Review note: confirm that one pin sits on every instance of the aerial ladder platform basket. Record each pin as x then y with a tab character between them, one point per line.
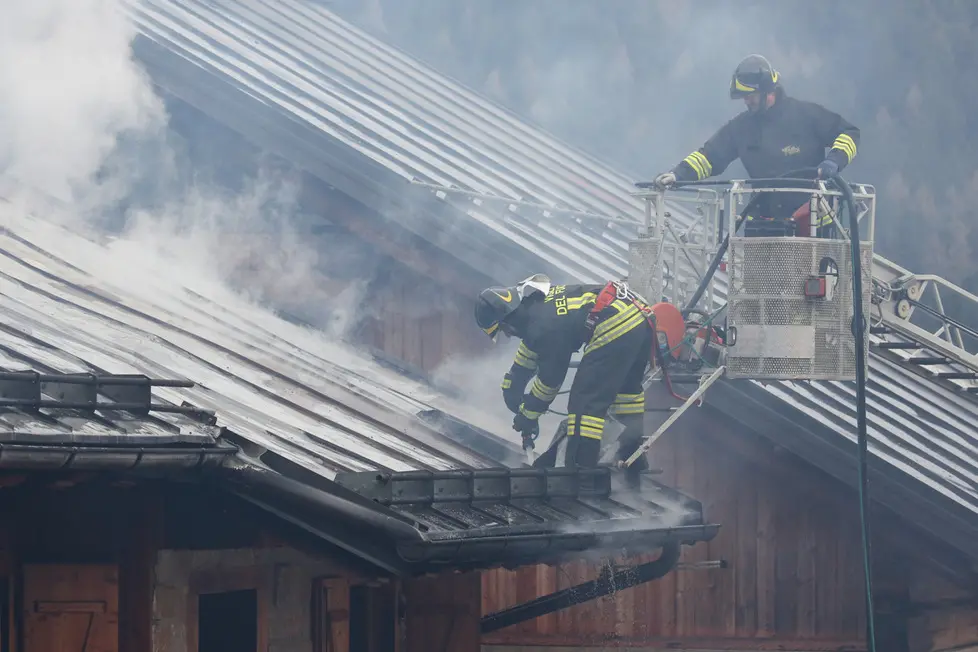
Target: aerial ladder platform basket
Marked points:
780	290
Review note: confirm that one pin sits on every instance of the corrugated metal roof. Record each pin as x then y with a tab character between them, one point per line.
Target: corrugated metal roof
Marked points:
308	63
324	76
72	306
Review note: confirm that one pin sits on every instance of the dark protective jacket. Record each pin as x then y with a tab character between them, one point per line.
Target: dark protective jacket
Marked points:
555	329
790	135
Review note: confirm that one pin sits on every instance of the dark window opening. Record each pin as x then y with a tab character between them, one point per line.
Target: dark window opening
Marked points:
228	622
372	618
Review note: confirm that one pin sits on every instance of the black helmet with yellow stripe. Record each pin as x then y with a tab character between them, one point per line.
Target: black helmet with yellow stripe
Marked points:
495	304
753	74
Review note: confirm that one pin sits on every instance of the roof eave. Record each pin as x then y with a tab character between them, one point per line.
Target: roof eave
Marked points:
80	457
515	550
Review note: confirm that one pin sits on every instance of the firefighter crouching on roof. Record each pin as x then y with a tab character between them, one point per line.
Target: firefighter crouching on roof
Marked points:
775	135
552	323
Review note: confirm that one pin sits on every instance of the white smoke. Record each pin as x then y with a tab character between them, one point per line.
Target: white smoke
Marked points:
80	122
70	91
476	381
84	134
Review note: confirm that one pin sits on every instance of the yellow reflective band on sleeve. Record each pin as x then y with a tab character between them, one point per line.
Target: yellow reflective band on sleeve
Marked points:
846	145
700	164
628	404
507	383
530	414
543	392
525	357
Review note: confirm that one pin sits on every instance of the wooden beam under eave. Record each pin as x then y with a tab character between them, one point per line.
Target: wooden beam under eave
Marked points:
444	612
137	569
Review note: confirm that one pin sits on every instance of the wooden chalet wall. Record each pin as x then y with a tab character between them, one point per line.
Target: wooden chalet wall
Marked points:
418	321
790	538
88	564
942	617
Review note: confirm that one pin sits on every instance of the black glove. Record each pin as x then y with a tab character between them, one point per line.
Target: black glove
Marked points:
513	396
529	428
827	169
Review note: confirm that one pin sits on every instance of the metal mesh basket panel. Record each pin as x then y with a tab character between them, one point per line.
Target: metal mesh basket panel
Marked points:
643	267
780	333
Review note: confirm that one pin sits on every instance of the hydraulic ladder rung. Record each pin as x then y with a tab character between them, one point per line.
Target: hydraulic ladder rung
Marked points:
927	360
957	375
898	345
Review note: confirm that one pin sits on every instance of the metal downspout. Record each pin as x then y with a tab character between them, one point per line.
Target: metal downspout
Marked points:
604	585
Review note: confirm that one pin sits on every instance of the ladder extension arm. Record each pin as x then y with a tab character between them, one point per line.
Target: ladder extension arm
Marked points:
704	385
901	293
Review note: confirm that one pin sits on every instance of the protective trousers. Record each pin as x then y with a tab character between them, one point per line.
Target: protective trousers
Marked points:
609	381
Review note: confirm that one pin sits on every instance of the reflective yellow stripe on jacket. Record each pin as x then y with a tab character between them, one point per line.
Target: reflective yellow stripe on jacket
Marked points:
700	164
846	145
611	328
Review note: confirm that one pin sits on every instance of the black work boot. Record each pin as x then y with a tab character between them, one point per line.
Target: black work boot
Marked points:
582	453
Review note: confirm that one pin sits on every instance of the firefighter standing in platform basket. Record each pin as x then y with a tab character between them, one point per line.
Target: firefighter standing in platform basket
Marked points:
618	331
777	134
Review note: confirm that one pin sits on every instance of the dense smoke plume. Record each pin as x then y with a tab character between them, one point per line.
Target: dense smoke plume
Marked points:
86	139
81	122
71	92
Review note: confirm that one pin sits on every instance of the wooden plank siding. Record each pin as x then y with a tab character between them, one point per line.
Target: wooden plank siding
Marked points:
943	617
442	613
415	320
789	534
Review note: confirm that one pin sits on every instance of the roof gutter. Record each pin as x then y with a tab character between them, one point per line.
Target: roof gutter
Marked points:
25	457
549	548
250	476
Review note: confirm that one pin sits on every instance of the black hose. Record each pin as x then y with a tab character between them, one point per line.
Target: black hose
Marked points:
717	258
858	330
